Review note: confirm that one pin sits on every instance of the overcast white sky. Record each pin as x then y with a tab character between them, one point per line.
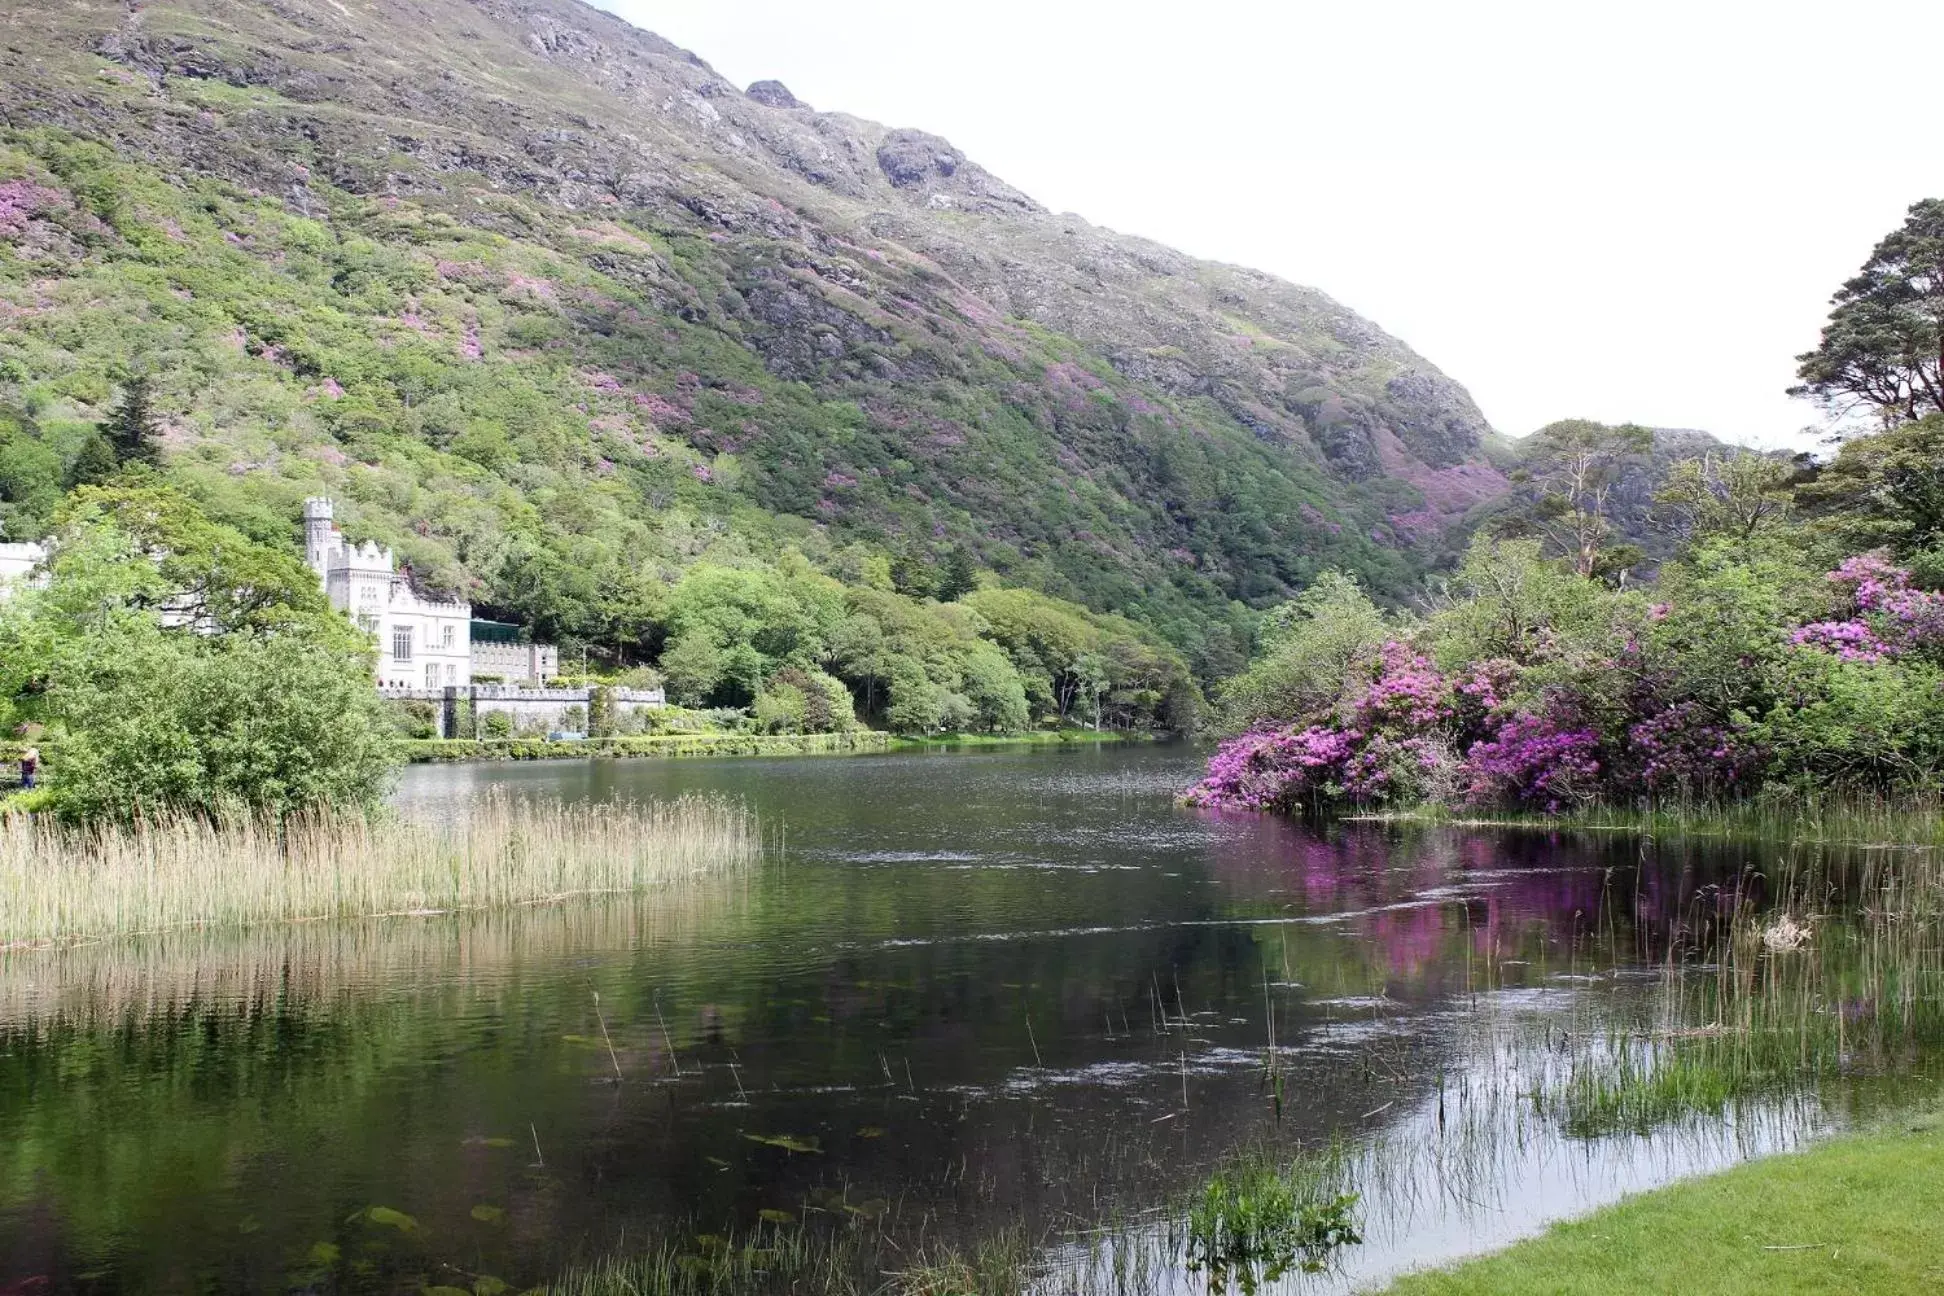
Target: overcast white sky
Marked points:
1622	211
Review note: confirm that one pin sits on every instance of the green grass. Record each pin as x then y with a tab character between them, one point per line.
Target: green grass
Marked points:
1858	1214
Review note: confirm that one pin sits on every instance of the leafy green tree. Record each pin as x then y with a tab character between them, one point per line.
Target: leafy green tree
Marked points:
30	478
1882	350
93	464
205	572
694	666
1312	647
1735	496
1884	490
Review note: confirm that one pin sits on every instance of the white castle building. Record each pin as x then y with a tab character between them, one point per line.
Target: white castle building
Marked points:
422	642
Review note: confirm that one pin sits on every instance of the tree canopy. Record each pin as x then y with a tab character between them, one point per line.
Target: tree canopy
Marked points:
1882	351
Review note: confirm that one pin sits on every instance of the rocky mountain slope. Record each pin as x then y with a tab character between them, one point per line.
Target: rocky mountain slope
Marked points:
524	284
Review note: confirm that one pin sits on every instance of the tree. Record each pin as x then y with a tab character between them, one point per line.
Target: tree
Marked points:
1883	347
206	573
694	665
1570	470
131	430
1735	496
1884	490
93	464
958	577
1312	648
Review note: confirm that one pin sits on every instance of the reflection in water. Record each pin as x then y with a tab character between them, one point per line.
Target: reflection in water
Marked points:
974	989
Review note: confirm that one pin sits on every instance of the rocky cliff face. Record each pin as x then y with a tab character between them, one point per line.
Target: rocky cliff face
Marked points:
979	337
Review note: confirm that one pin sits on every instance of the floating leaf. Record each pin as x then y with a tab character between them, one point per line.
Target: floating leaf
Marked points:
788	1142
488	1214
390	1218
324	1253
248	1224
487	1285
870	1131
479	1141
869	1210
718	1163
775	1216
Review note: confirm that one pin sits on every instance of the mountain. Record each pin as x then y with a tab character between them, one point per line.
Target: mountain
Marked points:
529	289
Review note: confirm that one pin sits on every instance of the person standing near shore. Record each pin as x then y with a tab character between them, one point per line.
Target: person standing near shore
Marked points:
29	767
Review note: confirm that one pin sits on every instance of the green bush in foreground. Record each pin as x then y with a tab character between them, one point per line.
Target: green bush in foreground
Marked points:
177	666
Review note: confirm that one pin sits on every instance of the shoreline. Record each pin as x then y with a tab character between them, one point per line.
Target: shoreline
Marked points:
1841	1214
860	742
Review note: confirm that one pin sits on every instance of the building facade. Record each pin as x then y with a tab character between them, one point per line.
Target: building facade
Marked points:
422	642
499	651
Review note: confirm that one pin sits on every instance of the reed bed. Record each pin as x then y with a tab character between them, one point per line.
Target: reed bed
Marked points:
62	884
135	981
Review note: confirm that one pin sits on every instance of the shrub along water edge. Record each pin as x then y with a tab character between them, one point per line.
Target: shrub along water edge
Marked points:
61	883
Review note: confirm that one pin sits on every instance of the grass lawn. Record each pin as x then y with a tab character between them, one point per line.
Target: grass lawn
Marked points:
1859	1214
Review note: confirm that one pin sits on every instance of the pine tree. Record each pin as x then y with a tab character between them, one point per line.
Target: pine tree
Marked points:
131	429
93	464
958	578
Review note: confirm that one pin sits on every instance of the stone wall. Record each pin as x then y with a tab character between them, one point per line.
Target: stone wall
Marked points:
529	708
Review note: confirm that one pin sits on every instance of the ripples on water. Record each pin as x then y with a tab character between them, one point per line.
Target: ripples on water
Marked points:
975	989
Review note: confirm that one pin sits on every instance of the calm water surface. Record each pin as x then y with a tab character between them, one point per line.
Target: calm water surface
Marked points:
975	988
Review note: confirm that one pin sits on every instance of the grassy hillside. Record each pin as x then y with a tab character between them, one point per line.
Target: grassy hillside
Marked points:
557	312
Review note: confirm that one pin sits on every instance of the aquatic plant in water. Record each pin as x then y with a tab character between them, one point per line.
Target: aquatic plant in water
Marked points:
1253	1221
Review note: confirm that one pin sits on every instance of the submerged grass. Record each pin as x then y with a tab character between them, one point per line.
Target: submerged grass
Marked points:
1803	818
796	1258
61	884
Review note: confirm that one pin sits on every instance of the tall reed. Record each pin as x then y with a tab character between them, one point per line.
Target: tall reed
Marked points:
61	883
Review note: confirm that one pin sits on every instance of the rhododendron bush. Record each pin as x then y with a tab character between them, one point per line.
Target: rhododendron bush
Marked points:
1746	668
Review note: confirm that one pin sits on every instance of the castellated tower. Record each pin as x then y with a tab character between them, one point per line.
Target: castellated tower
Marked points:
320	536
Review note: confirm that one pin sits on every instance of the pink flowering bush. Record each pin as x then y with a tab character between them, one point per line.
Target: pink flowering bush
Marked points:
1545	761
1709	693
1886	616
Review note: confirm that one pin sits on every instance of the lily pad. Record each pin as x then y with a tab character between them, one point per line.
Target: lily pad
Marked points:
390	1218
769	1216
488	1214
870	1131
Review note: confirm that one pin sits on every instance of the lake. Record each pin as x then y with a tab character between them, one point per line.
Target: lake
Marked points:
969	991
